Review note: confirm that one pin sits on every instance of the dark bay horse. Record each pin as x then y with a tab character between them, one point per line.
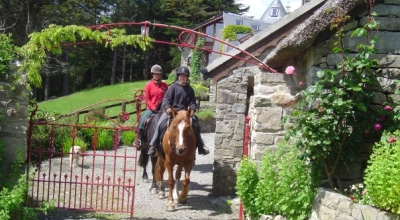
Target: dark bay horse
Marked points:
179	148
149	128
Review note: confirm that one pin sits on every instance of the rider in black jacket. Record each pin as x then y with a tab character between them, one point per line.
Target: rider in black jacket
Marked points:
180	95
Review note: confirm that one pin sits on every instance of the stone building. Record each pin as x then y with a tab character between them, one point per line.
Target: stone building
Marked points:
302	39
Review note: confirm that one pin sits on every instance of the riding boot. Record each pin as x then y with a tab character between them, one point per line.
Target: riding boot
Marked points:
203	150
152	149
138	140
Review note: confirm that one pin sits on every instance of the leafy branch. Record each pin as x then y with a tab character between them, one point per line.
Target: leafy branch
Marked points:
52	39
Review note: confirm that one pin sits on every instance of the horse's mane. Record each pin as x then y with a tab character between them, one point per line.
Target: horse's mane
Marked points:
181	115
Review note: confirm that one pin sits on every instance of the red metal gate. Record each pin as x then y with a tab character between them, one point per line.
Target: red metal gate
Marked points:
100	178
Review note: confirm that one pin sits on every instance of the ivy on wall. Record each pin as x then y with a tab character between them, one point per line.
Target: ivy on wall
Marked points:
196	61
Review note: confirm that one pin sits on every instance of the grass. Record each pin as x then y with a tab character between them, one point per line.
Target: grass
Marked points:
94	99
78	100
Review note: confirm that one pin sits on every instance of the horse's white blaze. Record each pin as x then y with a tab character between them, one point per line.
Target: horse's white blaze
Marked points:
181	126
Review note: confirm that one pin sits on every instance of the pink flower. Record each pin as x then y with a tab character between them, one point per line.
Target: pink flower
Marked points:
388	108
377	126
383	117
391	139
290	70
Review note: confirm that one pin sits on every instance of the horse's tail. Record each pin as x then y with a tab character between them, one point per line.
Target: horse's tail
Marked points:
143	158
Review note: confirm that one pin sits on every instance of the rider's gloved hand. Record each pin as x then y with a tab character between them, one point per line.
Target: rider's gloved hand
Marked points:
168	111
192	113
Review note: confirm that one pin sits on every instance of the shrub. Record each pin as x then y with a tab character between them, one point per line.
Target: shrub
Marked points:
382	176
87	135
128	137
67	144
206	114
104	140
201	91
331	117
13	193
285	184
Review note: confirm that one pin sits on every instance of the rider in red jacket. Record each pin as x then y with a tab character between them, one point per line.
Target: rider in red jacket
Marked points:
153	95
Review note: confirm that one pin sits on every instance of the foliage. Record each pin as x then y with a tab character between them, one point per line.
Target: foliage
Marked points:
67	144
13	192
201	91
50	40
6	55
358	194
3	162
105	140
128	137
339	103
285	184
195	63
382	176
229	32
205	114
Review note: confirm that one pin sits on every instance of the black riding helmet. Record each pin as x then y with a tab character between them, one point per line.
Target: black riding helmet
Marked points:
183	70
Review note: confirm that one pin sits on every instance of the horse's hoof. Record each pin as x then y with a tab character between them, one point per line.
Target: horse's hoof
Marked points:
154	190
182	201
171	208
161	195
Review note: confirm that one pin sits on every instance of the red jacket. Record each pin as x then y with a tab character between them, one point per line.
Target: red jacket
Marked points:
154	94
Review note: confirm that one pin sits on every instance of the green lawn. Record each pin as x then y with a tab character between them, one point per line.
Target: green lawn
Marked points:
78	100
95	98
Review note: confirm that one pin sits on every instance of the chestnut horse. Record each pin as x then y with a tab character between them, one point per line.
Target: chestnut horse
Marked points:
179	148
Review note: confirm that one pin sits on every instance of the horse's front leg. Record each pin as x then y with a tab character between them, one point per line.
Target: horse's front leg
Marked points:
170	202
185	183
178	173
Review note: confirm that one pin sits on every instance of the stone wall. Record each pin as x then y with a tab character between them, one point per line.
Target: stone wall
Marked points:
331	205
387	53
13	126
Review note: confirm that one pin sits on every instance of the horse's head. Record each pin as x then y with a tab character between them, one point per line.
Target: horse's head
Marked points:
180	131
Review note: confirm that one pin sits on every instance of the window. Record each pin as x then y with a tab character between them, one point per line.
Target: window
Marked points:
255	27
239	22
274	12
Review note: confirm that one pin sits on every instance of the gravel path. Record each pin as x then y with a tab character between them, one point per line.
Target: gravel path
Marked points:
200	203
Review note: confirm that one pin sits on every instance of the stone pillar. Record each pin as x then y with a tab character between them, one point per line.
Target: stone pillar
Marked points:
272	92
232	103
13	127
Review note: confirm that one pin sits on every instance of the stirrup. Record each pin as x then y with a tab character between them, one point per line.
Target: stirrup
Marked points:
152	151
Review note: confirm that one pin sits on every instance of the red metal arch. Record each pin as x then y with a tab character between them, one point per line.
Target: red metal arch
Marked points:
191	34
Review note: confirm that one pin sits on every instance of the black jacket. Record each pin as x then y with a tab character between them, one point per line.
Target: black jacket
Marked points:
179	97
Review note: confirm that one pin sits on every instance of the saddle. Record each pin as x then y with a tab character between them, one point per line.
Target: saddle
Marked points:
162	129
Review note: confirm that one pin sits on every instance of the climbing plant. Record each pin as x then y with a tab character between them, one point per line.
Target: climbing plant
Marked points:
333	116
52	39
196	61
